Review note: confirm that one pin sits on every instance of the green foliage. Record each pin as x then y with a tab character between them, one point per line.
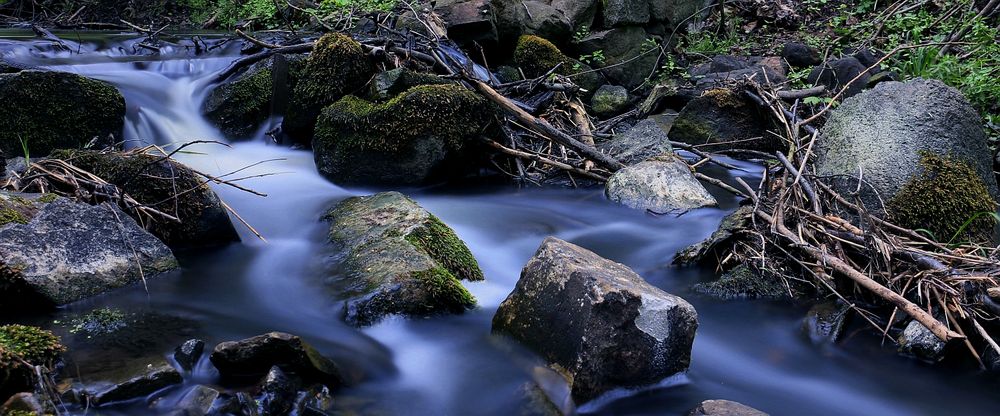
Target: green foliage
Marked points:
34	345
101	321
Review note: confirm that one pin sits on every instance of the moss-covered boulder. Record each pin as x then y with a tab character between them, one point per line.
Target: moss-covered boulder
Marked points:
921	151
20	348
391	83
338	66
52	110
721	119
240	105
536	56
167	186
420	136
395	258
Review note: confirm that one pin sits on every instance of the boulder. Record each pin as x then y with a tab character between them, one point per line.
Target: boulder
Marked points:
536	56
20	344
579	13
662	184
253	358
23	404
724	71
277	392
676	13
626	12
922	151
724	408
720	119
156	377
338	66
388	84
241	104
597	321
55	110
626	61
418	137
397	258
188	353
609	100
532	17
54	251
165	185
838	73
800	55
646	139
919	342
469	21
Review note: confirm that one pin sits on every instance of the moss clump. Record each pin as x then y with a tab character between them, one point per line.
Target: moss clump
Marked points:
724	98
239	106
51	110
101	321
47	198
536	56
31	344
942	198
441	243
8	216
444	290
337	66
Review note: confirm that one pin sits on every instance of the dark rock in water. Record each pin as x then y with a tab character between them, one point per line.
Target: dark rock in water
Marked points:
800	55
188	353
277	393
625	60
720	119
315	401
609	100
644	140
744	283
338	66
54	251
418	137
663	184
923	154
57	110
597	320
154	379
400	259
724	408
196	402
393	82
919	342
240	105
737	222
546	395
836	74
254	357
23	404
825	322
165	185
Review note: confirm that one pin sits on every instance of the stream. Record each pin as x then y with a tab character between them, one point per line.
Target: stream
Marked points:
753	352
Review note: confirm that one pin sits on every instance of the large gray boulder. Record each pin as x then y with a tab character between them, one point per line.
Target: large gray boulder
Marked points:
662	184
597	321
397	258
54	251
921	151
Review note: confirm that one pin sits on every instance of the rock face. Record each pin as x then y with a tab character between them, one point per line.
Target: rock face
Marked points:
416	138
188	353
609	100
922	150
204	222
53	253
625	60
644	140
399	259
724	408
597	320
252	358
241	104
662	184
722	118
54	110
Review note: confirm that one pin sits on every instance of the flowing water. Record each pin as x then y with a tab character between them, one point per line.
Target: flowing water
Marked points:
752	352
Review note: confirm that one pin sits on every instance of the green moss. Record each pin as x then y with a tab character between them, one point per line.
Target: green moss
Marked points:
536	56
725	98
31	344
945	195
441	243
101	321
239	106
50	110
8	215
20	413
48	198
444	290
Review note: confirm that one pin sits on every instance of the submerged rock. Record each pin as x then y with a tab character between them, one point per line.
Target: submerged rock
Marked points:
20	344
744	283
919	342
165	185
398	259
420	136
196	402
54	251
663	184
596	321
720	119
724	408
188	353
825	322
277	392
156	377
240	105
253	358
56	110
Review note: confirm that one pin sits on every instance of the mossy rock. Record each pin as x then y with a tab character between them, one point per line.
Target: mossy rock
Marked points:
720	120
337	66
744	283
53	110
155	182
239	106
395	258
20	344
536	56
417	137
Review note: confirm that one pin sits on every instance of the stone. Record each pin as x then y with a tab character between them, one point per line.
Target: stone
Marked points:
838	73
56	252
663	184
579	13
923	154
725	71
720	119
196	402
744	283
824	323
625	12
800	55
597	321
609	100
677	13
22	404
469	21
400	260
646	139
315	401
156	377
253	358
536	56
277	392
54	110
724	408
239	105
712	248
626	62
919	342
531	17
388	84
168	186
188	353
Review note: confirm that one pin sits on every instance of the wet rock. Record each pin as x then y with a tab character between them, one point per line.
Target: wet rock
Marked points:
154	379
188	353
800	55
277	393
316	401
609	100
56	252
546	395
662	184
54	110
838	73
240	105
400	259
724	408
720	119
625	62
923	154
597	320
919	342
724	71
418	137
579	13
825	322
737	222
338	66
20	345
744	283
253	357
196	402
644	140
22	404
168	186
388	84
